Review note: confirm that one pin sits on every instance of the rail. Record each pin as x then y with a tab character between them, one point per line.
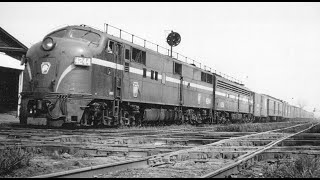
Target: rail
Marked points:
225	171
122	34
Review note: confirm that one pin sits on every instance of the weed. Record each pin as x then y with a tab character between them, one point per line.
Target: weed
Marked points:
14	157
253	127
303	167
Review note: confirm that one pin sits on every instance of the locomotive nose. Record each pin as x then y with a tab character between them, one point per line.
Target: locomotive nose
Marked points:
56	61
74	69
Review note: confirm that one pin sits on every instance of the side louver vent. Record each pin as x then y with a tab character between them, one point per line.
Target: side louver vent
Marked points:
126	67
230	87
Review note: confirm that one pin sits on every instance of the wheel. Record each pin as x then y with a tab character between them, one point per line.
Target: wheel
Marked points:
178	122
132	121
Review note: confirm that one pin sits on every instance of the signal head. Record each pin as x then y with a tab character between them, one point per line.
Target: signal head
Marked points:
173	39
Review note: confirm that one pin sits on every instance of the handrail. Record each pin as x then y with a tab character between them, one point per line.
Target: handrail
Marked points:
166	51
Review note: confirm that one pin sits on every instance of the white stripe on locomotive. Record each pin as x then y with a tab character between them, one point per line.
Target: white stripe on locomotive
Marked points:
135	71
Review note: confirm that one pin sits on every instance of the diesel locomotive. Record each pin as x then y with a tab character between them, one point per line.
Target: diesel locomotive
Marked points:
84	76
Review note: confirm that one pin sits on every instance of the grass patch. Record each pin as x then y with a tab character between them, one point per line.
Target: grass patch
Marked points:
315	129
250	127
254	127
159	127
303	167
14	157
236	127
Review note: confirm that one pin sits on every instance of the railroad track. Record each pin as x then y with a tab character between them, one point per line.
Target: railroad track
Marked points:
300	148
217	159
249	158
29	136
112	145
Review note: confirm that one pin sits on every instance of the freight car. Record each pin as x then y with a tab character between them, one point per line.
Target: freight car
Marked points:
84	76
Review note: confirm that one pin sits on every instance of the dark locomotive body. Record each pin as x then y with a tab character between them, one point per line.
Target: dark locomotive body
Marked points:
83	76
234	102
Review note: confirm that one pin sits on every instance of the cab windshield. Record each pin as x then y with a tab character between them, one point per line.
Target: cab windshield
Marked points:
60	33
87	35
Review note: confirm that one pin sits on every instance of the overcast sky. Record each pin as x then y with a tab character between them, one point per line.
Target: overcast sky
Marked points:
274	48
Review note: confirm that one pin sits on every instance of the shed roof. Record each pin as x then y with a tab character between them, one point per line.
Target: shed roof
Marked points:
9	62
11	46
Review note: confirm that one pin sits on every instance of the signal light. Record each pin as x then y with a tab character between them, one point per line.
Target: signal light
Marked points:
48	44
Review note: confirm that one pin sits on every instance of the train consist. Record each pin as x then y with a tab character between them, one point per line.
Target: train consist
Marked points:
84	76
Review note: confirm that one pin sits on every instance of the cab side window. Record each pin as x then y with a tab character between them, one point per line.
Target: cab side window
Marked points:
110	48
209	78
108	52
177	68
203	77
138	56
206	77
127	54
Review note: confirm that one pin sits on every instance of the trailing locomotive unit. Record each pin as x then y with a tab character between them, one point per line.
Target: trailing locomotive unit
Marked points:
234	102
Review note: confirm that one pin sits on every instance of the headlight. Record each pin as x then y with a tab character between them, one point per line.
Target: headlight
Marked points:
48	44
82	61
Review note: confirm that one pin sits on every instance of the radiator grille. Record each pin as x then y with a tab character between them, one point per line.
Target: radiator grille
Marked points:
233	88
